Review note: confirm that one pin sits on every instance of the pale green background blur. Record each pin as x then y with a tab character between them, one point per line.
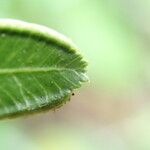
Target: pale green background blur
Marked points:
112	112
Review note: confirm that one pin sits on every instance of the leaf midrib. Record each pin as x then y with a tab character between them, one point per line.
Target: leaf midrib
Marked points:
7	71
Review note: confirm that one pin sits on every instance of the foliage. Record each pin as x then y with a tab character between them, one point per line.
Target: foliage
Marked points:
39	68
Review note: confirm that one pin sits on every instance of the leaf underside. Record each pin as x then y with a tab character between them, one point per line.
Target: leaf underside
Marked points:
39	69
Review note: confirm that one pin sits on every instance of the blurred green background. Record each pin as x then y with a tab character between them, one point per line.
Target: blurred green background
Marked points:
112	112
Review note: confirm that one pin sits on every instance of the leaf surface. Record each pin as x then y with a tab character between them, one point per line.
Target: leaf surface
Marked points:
39	68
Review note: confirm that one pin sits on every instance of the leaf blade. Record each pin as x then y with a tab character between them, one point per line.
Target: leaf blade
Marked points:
39	68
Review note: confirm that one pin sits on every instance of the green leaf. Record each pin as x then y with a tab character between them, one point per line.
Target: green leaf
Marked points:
39	68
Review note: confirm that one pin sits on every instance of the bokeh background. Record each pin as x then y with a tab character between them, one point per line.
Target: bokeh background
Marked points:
112	112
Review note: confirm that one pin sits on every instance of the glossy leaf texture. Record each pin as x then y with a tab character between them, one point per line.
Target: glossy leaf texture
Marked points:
39	68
